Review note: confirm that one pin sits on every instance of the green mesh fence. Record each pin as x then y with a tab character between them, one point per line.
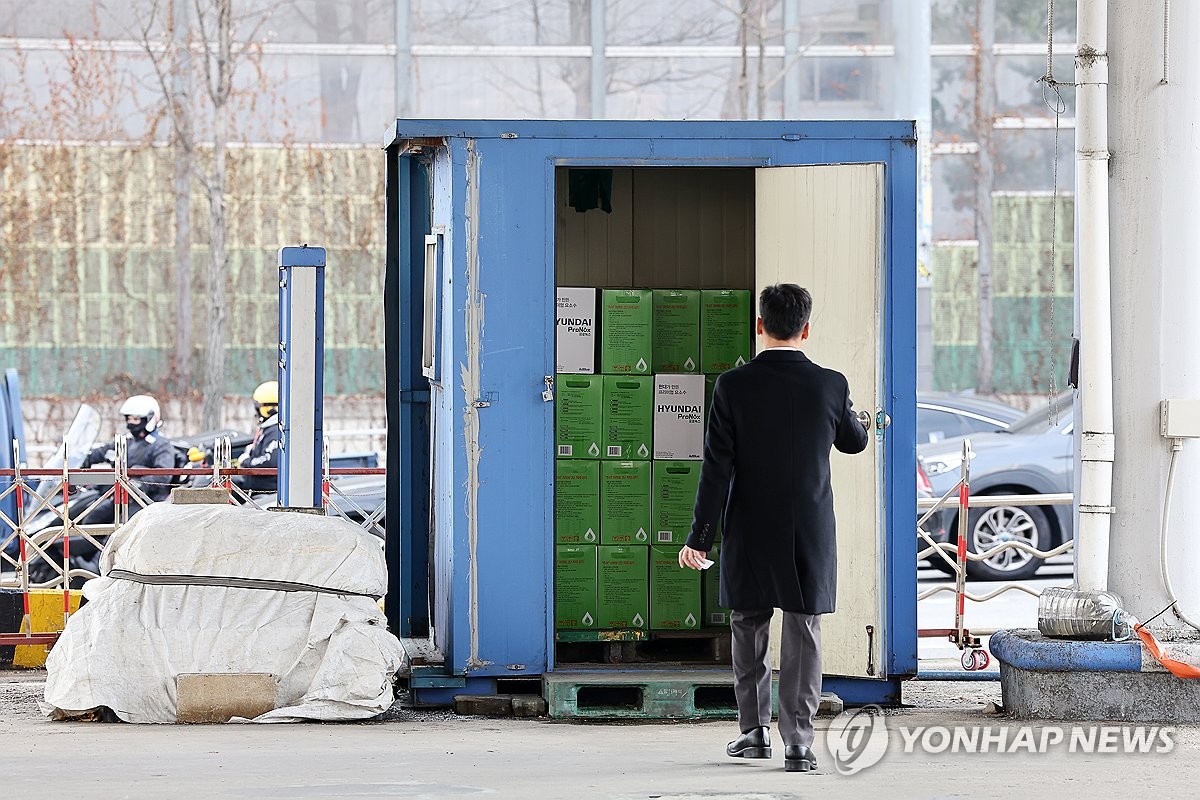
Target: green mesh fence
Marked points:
1032	290
89	268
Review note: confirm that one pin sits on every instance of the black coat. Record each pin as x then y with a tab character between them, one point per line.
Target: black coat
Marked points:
765	481
152	451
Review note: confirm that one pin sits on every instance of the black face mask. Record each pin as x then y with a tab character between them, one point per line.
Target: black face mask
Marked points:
138	429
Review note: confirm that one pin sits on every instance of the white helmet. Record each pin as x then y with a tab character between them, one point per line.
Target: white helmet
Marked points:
144	406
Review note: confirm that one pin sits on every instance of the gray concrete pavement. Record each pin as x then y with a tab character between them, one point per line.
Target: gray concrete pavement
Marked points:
436	755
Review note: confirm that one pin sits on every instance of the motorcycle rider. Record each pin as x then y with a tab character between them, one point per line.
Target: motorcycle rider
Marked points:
147	449
264	451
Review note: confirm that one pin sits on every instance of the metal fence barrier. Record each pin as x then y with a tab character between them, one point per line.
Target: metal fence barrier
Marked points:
956	556
41	492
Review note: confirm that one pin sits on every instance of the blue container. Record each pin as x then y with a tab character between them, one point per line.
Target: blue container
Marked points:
486	217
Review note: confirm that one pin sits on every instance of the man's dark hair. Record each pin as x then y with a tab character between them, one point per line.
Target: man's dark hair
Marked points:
784	308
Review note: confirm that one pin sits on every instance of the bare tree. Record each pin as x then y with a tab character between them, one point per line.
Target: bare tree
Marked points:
341	77
216	36
170	35
183	142
47	106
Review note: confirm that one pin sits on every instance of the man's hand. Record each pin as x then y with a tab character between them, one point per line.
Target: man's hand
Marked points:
692	558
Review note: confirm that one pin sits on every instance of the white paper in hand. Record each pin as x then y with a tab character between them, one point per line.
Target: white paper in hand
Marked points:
706	563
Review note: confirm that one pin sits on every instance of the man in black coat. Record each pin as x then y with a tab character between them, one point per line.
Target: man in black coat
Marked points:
765	483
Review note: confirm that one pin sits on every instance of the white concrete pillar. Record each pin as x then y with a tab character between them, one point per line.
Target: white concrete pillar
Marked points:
1155	250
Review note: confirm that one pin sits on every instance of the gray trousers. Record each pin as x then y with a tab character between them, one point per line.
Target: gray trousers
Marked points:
799	672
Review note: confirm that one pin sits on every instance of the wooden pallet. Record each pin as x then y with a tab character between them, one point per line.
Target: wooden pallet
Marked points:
651	694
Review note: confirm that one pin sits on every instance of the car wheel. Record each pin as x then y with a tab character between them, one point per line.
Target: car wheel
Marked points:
990	527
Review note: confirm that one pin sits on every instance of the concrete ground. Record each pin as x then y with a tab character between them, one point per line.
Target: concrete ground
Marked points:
435	754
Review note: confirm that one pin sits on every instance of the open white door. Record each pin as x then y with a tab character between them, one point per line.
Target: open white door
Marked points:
821	227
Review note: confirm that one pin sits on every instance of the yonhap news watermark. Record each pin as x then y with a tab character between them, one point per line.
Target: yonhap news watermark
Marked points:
860	738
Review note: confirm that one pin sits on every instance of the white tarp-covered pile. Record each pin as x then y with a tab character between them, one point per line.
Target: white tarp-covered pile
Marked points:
226	589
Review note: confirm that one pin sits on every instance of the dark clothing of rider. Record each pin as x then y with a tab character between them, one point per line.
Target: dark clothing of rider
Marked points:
145	450
263	453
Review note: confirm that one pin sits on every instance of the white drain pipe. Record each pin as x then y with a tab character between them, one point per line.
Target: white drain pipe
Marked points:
1094	460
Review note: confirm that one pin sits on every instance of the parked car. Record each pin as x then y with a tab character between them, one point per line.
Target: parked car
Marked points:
942	415
1034	455
935	525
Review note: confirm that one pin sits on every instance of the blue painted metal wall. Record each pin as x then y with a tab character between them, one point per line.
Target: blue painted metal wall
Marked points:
408	220
492	198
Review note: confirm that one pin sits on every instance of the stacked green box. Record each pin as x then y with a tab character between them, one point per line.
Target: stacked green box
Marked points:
676	331
675	484
578	416
626	332
576	501
623	587
726	329
628	417
575	586
714	614
607	488
625	502
674	592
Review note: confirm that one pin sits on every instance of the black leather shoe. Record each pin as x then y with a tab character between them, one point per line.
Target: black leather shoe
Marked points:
798	758
754	743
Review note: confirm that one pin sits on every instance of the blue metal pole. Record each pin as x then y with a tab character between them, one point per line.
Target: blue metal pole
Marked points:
301	374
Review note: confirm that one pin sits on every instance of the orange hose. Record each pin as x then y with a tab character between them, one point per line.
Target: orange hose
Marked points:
1176	668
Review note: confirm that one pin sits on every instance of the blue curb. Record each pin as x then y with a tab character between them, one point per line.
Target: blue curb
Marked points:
1028	649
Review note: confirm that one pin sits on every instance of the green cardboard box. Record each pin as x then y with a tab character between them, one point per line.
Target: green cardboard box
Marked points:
714	614
674	592
627	331
578	406
628	418
623	587
575	592
726	329
710	383
676	330
675	484
625	488
576	501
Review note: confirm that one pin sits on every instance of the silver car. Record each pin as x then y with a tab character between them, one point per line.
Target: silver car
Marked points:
943	415
1033	456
